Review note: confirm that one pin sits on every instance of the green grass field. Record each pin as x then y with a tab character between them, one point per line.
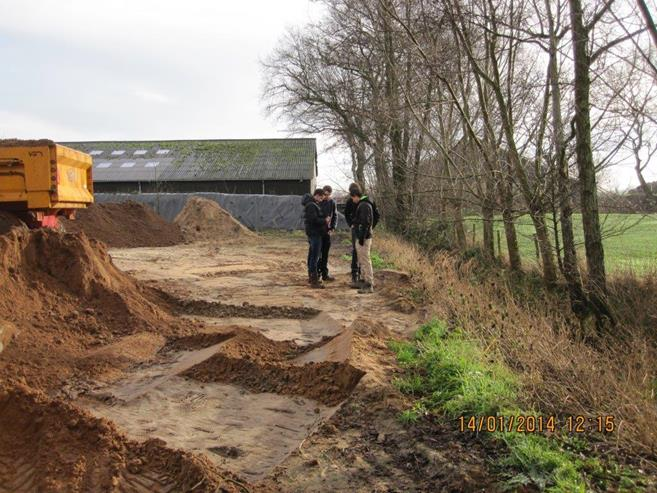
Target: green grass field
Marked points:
630	240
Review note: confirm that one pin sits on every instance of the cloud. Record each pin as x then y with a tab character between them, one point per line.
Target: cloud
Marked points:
26	126
152	97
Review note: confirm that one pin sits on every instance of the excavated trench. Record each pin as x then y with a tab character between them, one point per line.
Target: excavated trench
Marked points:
104	388
241	400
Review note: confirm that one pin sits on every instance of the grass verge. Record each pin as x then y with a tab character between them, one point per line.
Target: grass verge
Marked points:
378	262
448	373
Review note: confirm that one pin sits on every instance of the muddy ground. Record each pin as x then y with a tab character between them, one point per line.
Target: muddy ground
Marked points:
258	383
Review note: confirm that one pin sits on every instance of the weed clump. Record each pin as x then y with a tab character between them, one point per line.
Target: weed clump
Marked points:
448	373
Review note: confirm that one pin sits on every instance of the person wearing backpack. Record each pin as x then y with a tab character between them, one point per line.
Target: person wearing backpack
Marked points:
330	212
363	223
315	224
349	211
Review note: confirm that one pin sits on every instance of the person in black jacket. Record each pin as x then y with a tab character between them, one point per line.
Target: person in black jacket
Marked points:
330	211
349	210
315	224
362	223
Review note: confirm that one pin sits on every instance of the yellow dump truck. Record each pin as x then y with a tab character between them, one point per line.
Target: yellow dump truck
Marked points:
40	180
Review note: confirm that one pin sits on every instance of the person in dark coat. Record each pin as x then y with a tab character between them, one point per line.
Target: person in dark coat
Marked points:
315	224
363	223
349	211
330	212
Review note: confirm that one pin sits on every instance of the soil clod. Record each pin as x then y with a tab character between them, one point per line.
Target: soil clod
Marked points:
124	225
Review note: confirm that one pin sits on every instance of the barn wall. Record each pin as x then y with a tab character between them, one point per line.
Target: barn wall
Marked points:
257	212
281	187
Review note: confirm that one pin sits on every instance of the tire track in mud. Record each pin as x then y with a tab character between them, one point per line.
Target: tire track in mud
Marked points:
47	445
216	309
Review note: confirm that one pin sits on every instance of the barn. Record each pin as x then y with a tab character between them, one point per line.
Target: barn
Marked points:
236	166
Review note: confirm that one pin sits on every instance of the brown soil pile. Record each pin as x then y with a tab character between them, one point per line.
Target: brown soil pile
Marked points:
64	295
205	220
197	341
259	364
9	221
254	346
50	446
396	285
124	225
327	382
245	310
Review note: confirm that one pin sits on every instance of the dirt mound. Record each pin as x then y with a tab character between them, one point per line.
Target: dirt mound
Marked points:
9	221
327	382
124	225
50	446
254	346
64	295
251	360
245	310
205	220
197	341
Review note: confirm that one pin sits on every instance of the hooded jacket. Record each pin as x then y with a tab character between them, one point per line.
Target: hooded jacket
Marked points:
329	209
363	218
312	216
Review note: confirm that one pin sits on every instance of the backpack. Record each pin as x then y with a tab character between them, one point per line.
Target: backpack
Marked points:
375	214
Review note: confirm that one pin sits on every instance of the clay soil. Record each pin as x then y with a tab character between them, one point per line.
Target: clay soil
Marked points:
205	369
205	220
124	225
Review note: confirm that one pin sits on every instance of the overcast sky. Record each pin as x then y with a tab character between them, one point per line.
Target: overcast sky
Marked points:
148	69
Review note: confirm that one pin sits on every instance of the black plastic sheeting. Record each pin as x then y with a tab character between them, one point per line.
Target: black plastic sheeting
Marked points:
257	212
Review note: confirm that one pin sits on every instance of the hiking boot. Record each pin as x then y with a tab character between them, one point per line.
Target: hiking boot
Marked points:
366	289
357	284
327	277
315	282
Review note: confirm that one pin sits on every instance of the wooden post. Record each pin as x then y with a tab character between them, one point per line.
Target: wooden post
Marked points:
474	227
538	251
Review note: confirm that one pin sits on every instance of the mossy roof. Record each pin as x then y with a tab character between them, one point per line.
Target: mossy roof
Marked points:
202	160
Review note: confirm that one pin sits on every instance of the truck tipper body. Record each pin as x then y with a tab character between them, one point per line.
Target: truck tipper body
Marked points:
40	180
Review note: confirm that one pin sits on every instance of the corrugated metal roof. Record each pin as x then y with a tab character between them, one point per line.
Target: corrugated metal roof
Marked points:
202	160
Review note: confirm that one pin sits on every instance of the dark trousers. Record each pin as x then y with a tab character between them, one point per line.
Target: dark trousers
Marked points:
322	265
355	270
314	253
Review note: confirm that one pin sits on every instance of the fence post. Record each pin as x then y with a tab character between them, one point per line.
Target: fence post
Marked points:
474	227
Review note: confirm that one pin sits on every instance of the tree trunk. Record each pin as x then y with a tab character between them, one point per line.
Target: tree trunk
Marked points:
570	268
595	257
505	187
459	227
488	215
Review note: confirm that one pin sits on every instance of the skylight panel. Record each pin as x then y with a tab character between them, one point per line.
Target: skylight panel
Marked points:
152	164
162	152
96	153
140	152
128	164
103	165
118	153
